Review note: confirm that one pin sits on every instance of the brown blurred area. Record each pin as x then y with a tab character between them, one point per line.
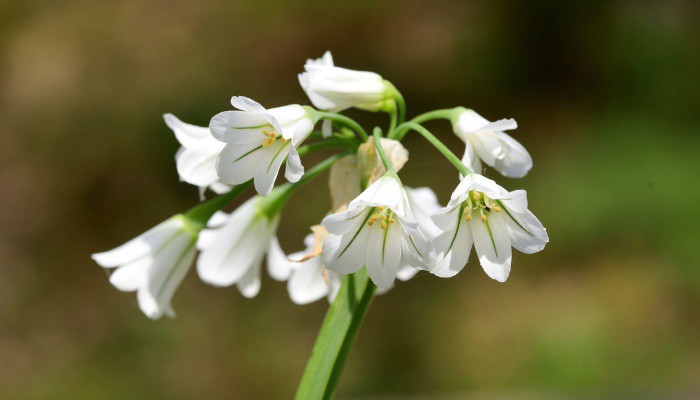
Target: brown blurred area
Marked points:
606	95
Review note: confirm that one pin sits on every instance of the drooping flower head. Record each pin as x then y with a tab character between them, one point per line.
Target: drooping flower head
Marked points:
375	231
486	142
335	89
257	142
153	264
196	159
483	214
234	245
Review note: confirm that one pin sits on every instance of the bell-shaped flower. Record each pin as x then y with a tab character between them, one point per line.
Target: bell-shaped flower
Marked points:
424	203
335	89
483	214
486	142
153	264
196	159
376	230
257	142
233	247
307	278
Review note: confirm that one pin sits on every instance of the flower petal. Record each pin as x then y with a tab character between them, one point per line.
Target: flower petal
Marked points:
237	163
384	254
470	159
189	136
278	266
269	167
516	161
526	232
294	170
385	191
499	126
131	277
346	254
342	222
453	248
307	284
249	284
238	127
492	244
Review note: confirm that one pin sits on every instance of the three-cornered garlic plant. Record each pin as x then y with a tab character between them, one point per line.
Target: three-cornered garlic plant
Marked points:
377	230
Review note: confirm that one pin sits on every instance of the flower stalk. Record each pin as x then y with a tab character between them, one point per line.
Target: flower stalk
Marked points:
336	337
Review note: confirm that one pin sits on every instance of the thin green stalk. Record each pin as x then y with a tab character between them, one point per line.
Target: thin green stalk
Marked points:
451	157
402	129
349	122
336	337
201	213
377	134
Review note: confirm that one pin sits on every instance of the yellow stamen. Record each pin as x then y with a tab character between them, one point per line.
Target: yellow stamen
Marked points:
468	217
269	134
380	208
382	224
497	208
391	220
477	195
267	142
483	218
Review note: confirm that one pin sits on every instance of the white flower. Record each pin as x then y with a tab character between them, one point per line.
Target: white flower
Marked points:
377	230
258	140
486	141
307	278
336	89
153	264
424	203
196	159
233	247
482	213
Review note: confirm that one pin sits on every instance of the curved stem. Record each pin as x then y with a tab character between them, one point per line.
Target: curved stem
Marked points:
451	157
430	115
336	337
377	134
201	213
349	122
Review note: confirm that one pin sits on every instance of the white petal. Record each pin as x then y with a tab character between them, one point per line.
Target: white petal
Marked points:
237	163
342	222
384	254
492	244
385	191
307	285
516	161
467	122
189	136
249	285
486	145
447	218
470	159
269	167
516	200
294	170
526	232
277	264
346	254
198	167
165	276
139	246
453	248
131	277
498	126
406	272
238	127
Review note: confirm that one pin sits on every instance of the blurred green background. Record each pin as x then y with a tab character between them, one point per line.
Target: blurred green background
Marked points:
607	97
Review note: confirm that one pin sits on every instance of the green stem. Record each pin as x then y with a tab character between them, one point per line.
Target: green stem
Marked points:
377	134
349	122
274	203
431	115
336	337
451	157
201	213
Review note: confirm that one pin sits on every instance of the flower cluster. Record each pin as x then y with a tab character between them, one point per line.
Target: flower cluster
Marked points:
376	223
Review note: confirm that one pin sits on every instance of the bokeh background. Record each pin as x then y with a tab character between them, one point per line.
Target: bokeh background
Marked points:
607	97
